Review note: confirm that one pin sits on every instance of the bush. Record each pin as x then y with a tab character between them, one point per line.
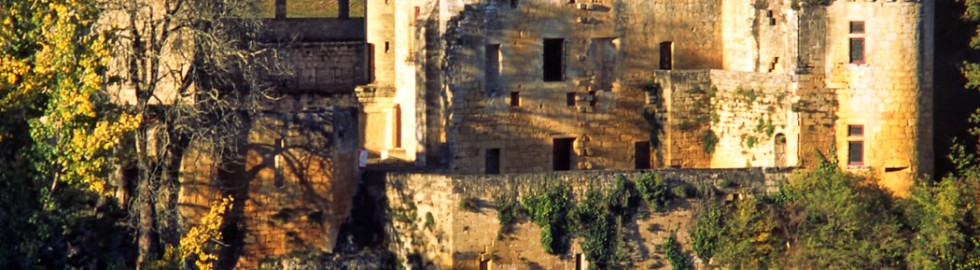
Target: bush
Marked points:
508	213
599	231
672	250
548	207
653	190
707	231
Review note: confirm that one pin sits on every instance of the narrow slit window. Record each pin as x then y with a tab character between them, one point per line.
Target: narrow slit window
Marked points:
515	99
570	99
492	69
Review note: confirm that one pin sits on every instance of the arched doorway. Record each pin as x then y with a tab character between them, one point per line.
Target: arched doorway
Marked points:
779	150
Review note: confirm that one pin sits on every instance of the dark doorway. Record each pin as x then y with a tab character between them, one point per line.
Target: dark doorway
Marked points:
492	165
666	55
562	154
553	51
642	150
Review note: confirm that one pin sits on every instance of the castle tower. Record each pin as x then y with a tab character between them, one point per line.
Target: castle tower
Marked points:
880	65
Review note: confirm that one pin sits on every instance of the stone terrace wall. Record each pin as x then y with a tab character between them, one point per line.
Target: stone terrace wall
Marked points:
459	238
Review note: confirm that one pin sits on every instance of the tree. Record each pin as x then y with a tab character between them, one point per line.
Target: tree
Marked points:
57	135
193	70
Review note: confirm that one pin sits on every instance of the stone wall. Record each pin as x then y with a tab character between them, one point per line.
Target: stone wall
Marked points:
748	114
460	238
591	103
292	187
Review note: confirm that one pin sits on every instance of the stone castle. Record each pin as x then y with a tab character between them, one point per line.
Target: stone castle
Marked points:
517	86
473	88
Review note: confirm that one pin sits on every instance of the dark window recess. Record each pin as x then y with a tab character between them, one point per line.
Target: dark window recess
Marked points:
855	145
562	154
553	54
579	262
857	51
857	27
280	147
515	99
855	152
593	99
642	150
513	3
492	69
570	99
484	264
856	44
854	130
387	47
492	161
666	55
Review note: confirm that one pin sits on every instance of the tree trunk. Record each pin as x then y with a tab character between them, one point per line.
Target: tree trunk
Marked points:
147	237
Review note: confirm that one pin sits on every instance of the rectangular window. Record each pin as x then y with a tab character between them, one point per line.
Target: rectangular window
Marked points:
856	42
666	55
492	164
280	147
553	54
513	3
855	145
492	68
515	99
570	99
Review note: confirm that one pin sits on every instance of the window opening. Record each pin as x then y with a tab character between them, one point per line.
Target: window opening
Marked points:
666	55
570	99
856	42
553	54
280	146
855	145
492	68
515	99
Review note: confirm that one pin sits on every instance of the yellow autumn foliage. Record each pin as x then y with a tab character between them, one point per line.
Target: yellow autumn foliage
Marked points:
198	239
55	58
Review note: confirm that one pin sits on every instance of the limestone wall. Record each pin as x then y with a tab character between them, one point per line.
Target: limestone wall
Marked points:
890	92
749	115
523	114
461	238
293	191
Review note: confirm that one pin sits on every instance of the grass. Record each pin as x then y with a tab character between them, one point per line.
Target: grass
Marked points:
312	8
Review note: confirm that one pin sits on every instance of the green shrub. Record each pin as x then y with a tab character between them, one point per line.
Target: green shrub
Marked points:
653	190
708	141
707	231
676	257
599	231
548	207
508	213
430	221
684	190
